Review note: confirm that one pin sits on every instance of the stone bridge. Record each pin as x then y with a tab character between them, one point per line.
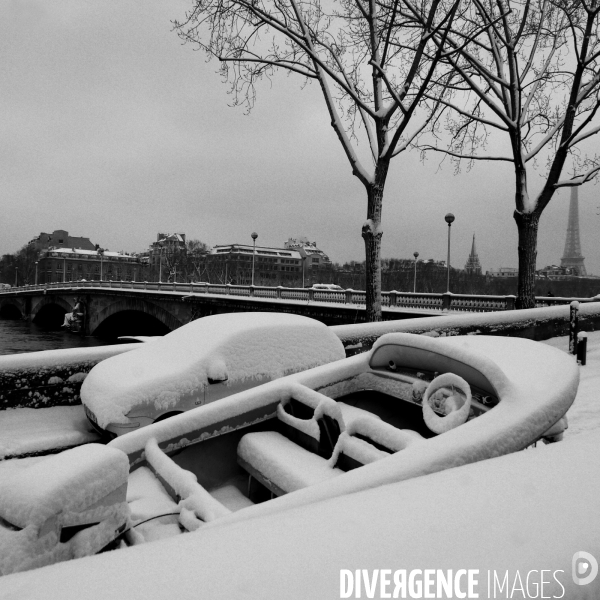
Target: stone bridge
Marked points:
111	311
140	308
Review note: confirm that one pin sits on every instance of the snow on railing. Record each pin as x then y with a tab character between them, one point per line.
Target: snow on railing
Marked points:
393	299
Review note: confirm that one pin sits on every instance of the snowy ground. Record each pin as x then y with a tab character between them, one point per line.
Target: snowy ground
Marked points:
584	415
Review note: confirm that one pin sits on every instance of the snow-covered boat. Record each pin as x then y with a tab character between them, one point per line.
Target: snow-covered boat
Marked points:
412	405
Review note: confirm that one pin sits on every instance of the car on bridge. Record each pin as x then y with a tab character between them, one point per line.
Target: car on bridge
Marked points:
206	360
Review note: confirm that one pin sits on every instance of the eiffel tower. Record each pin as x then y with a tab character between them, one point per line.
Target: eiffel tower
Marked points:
572	258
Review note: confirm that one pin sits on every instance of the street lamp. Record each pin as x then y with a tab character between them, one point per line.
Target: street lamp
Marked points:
160	264
101	253
416	255
16	276
449	219
253	235
36	271
303	268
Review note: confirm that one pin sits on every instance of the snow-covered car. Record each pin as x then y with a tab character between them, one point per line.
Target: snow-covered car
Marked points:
63	506
332	287
203	361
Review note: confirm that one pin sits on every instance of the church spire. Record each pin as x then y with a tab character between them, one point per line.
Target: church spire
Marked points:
473	266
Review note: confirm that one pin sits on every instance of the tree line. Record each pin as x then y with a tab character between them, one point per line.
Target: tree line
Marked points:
456	77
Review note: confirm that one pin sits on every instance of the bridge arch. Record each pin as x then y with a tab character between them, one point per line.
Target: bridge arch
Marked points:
132	316
11	309
50	311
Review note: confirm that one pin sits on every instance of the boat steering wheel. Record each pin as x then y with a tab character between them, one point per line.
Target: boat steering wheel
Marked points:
457	413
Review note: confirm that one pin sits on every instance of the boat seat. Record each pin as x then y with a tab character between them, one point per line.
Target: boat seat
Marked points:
280	464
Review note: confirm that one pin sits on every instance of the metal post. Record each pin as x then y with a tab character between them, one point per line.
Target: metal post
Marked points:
449	219
16	276
254	235
573	327
64	268
36	271
582	348
416	255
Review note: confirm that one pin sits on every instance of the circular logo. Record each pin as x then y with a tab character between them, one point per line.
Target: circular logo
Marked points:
585	568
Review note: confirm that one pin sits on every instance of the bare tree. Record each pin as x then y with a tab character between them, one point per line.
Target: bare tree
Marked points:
174	262
196	260
375	63
529	81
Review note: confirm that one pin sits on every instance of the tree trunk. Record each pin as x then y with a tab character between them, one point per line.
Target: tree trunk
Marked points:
527	225
371	233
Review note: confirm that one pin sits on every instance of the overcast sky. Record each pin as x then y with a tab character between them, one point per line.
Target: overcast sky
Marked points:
114	130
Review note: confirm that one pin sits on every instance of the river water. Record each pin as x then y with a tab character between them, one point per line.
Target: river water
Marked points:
18	336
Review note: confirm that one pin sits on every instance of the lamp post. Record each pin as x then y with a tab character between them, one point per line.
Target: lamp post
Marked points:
303	268
416	255
36	271
101	252
449	219
253	235
16	276
64	268
160	265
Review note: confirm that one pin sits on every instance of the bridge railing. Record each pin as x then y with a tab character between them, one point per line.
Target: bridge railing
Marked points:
393	299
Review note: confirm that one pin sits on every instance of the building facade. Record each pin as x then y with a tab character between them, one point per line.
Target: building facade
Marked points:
74	264
60	238
555	273
167	256
502	272
233	263
316	265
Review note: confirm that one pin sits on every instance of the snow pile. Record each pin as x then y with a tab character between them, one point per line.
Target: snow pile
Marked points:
28	430
241	346
196	506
